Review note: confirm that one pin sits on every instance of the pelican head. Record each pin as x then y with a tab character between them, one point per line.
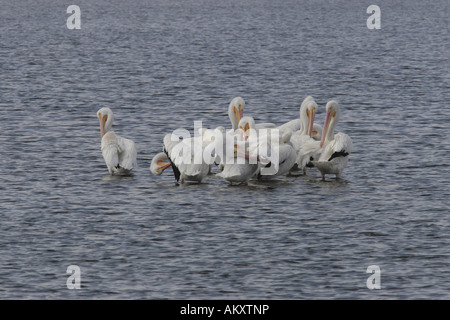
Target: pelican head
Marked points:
331	119
236	111
308	98
106	118
307	114
247	124
160	162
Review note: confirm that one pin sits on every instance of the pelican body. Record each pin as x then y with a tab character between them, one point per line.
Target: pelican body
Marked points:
282	156
237	167
120	154
184	156
336	147
305	145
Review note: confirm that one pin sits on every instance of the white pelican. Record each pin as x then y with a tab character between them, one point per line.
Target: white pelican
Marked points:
120	154
236	112
186	158
238	167
297	124
283	159
306	147
336	147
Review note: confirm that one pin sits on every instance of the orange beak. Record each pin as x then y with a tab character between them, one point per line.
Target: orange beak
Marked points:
325	128
311	122
102	124
238	114
163	166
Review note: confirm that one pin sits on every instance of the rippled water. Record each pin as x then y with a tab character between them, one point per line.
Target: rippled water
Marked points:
160	65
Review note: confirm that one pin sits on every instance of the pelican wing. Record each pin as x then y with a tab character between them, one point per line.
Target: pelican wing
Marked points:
309	151
294	125
287	157
110	149
264	125
186	157
341	146
127	153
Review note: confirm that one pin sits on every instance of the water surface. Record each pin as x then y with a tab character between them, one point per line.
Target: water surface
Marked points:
160	65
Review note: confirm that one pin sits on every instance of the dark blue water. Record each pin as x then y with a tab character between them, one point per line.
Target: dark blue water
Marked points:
160	65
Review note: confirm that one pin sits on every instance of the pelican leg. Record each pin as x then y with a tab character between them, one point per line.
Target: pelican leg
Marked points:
323	177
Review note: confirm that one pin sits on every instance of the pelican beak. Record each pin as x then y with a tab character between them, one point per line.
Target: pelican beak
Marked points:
238	114
162	166
245	131
241	112
325	128
311	121
243	134
102	123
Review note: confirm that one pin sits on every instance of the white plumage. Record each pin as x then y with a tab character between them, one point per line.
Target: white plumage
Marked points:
306	147
120	154
336	147
238	167
236	112
299	125
280	158
186	157
297	145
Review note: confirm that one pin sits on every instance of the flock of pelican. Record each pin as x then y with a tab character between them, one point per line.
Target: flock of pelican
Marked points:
295	146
